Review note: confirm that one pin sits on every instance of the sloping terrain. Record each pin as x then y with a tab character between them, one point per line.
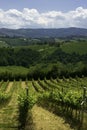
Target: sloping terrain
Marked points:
37	33
45	120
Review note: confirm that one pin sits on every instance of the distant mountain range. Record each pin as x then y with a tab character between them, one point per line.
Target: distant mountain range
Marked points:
38	33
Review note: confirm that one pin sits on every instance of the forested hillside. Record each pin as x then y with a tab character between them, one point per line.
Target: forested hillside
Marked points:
46	57
38	33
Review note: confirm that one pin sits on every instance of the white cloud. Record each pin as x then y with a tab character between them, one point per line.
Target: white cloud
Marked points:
32	18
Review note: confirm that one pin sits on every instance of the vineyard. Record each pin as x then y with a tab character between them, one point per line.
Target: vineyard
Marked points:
55	104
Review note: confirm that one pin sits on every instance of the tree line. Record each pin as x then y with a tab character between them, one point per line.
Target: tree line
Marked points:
42	65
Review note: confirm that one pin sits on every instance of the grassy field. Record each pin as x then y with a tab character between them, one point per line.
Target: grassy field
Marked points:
14	69
3	44
75	46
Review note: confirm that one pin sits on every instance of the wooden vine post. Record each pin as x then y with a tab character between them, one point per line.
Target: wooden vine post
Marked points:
83	103
84	93
27	91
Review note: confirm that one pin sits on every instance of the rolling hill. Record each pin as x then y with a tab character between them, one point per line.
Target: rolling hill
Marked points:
38	33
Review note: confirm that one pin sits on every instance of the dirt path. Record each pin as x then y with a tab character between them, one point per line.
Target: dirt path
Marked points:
8	114
44	120
9	87
23	85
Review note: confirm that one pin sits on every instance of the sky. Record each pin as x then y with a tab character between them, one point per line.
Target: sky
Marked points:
43	13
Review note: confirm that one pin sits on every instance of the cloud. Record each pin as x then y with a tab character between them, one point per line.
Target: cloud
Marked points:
32	18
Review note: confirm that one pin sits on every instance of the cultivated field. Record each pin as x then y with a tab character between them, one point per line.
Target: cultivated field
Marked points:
55	104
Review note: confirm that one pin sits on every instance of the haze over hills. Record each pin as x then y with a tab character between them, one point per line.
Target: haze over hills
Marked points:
38	33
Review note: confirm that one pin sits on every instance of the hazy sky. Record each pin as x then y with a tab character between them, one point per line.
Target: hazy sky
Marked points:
43	13
43	5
